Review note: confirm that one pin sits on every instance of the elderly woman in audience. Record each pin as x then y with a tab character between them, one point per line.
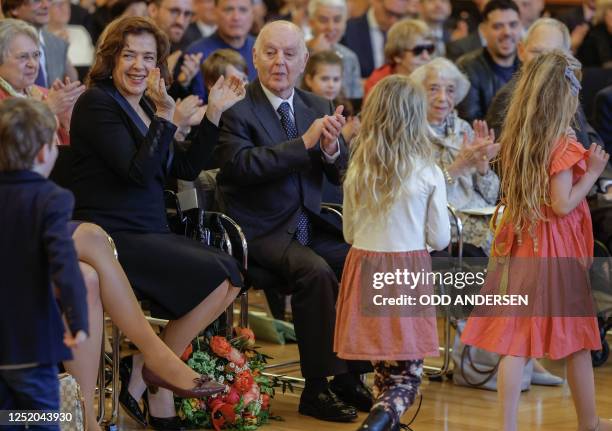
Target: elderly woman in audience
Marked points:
123	145
463	153
409	45
596	50
107	284
19	57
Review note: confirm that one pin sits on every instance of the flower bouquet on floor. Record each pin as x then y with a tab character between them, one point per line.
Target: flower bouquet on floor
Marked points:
245	403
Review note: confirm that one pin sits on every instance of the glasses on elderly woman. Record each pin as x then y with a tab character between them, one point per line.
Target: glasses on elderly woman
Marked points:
23	57
420	49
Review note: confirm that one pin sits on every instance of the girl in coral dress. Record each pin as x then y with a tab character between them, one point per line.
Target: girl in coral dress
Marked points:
546	235
394	207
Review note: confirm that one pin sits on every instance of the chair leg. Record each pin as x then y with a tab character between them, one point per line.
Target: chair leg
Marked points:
102	383
229	320
244	309
115	382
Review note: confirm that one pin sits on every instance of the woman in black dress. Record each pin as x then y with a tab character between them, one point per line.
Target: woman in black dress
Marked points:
123	145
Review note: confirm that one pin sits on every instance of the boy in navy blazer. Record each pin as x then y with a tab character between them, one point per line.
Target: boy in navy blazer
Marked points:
36	250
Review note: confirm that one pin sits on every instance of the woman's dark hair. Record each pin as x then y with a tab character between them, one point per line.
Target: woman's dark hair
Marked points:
112	41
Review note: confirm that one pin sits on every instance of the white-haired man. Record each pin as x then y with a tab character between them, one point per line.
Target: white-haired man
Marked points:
328	21
275	147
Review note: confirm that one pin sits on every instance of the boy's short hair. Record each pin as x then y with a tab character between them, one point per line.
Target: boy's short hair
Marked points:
216	64
26	125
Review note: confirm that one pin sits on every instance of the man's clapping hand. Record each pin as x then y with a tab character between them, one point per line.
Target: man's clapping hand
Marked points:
327	130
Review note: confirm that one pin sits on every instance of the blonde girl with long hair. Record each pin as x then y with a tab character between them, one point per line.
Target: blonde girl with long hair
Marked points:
394	207
546	225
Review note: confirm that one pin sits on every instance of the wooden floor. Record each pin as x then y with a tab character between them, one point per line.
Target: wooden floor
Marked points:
447	407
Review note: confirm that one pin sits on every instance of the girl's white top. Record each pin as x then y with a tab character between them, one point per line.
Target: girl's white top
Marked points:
417	219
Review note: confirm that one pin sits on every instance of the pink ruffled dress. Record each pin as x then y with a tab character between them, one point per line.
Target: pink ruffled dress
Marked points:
553	336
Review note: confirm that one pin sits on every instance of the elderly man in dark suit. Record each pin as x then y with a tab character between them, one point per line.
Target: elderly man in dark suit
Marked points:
274	148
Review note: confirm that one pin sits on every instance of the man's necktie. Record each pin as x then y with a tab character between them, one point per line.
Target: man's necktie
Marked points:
302	230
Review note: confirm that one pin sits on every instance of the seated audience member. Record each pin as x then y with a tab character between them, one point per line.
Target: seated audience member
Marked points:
260	14
530	11
226	63
435	13
328	22
80	46
468	11
596	50
121	142
323	77
470	15
296	11
36	251
464	154
366	35
204	24
408	46
579	21
274	148
54	62
234	20
603	116
19	67
173	17
357	8
104	277
545	35
491	67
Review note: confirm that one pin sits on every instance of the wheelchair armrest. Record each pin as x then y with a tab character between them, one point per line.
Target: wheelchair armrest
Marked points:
236	237
332	208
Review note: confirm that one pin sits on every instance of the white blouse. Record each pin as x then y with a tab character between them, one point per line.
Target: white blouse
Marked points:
417	219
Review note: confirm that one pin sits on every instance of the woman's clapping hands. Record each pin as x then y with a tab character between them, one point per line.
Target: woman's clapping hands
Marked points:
156	91
222	96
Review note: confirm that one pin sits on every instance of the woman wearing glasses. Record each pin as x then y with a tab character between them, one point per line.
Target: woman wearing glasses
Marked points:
409	45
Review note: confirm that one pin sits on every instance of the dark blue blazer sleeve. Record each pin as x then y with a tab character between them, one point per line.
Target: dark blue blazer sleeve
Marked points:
63	262
99	117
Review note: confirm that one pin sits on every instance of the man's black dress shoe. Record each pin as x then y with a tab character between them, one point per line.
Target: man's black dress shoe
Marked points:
326	406
378	420
129	404
357	395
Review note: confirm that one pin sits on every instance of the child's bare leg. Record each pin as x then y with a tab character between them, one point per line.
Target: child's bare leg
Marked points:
582	384
86	358
509	378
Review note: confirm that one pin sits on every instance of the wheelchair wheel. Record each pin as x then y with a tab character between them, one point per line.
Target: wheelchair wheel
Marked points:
599	357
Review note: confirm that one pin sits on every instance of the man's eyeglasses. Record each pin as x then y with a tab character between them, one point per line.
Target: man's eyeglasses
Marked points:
176	12
420	49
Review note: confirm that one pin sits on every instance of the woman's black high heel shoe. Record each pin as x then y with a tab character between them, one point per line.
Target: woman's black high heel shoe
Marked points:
128	402
172	423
